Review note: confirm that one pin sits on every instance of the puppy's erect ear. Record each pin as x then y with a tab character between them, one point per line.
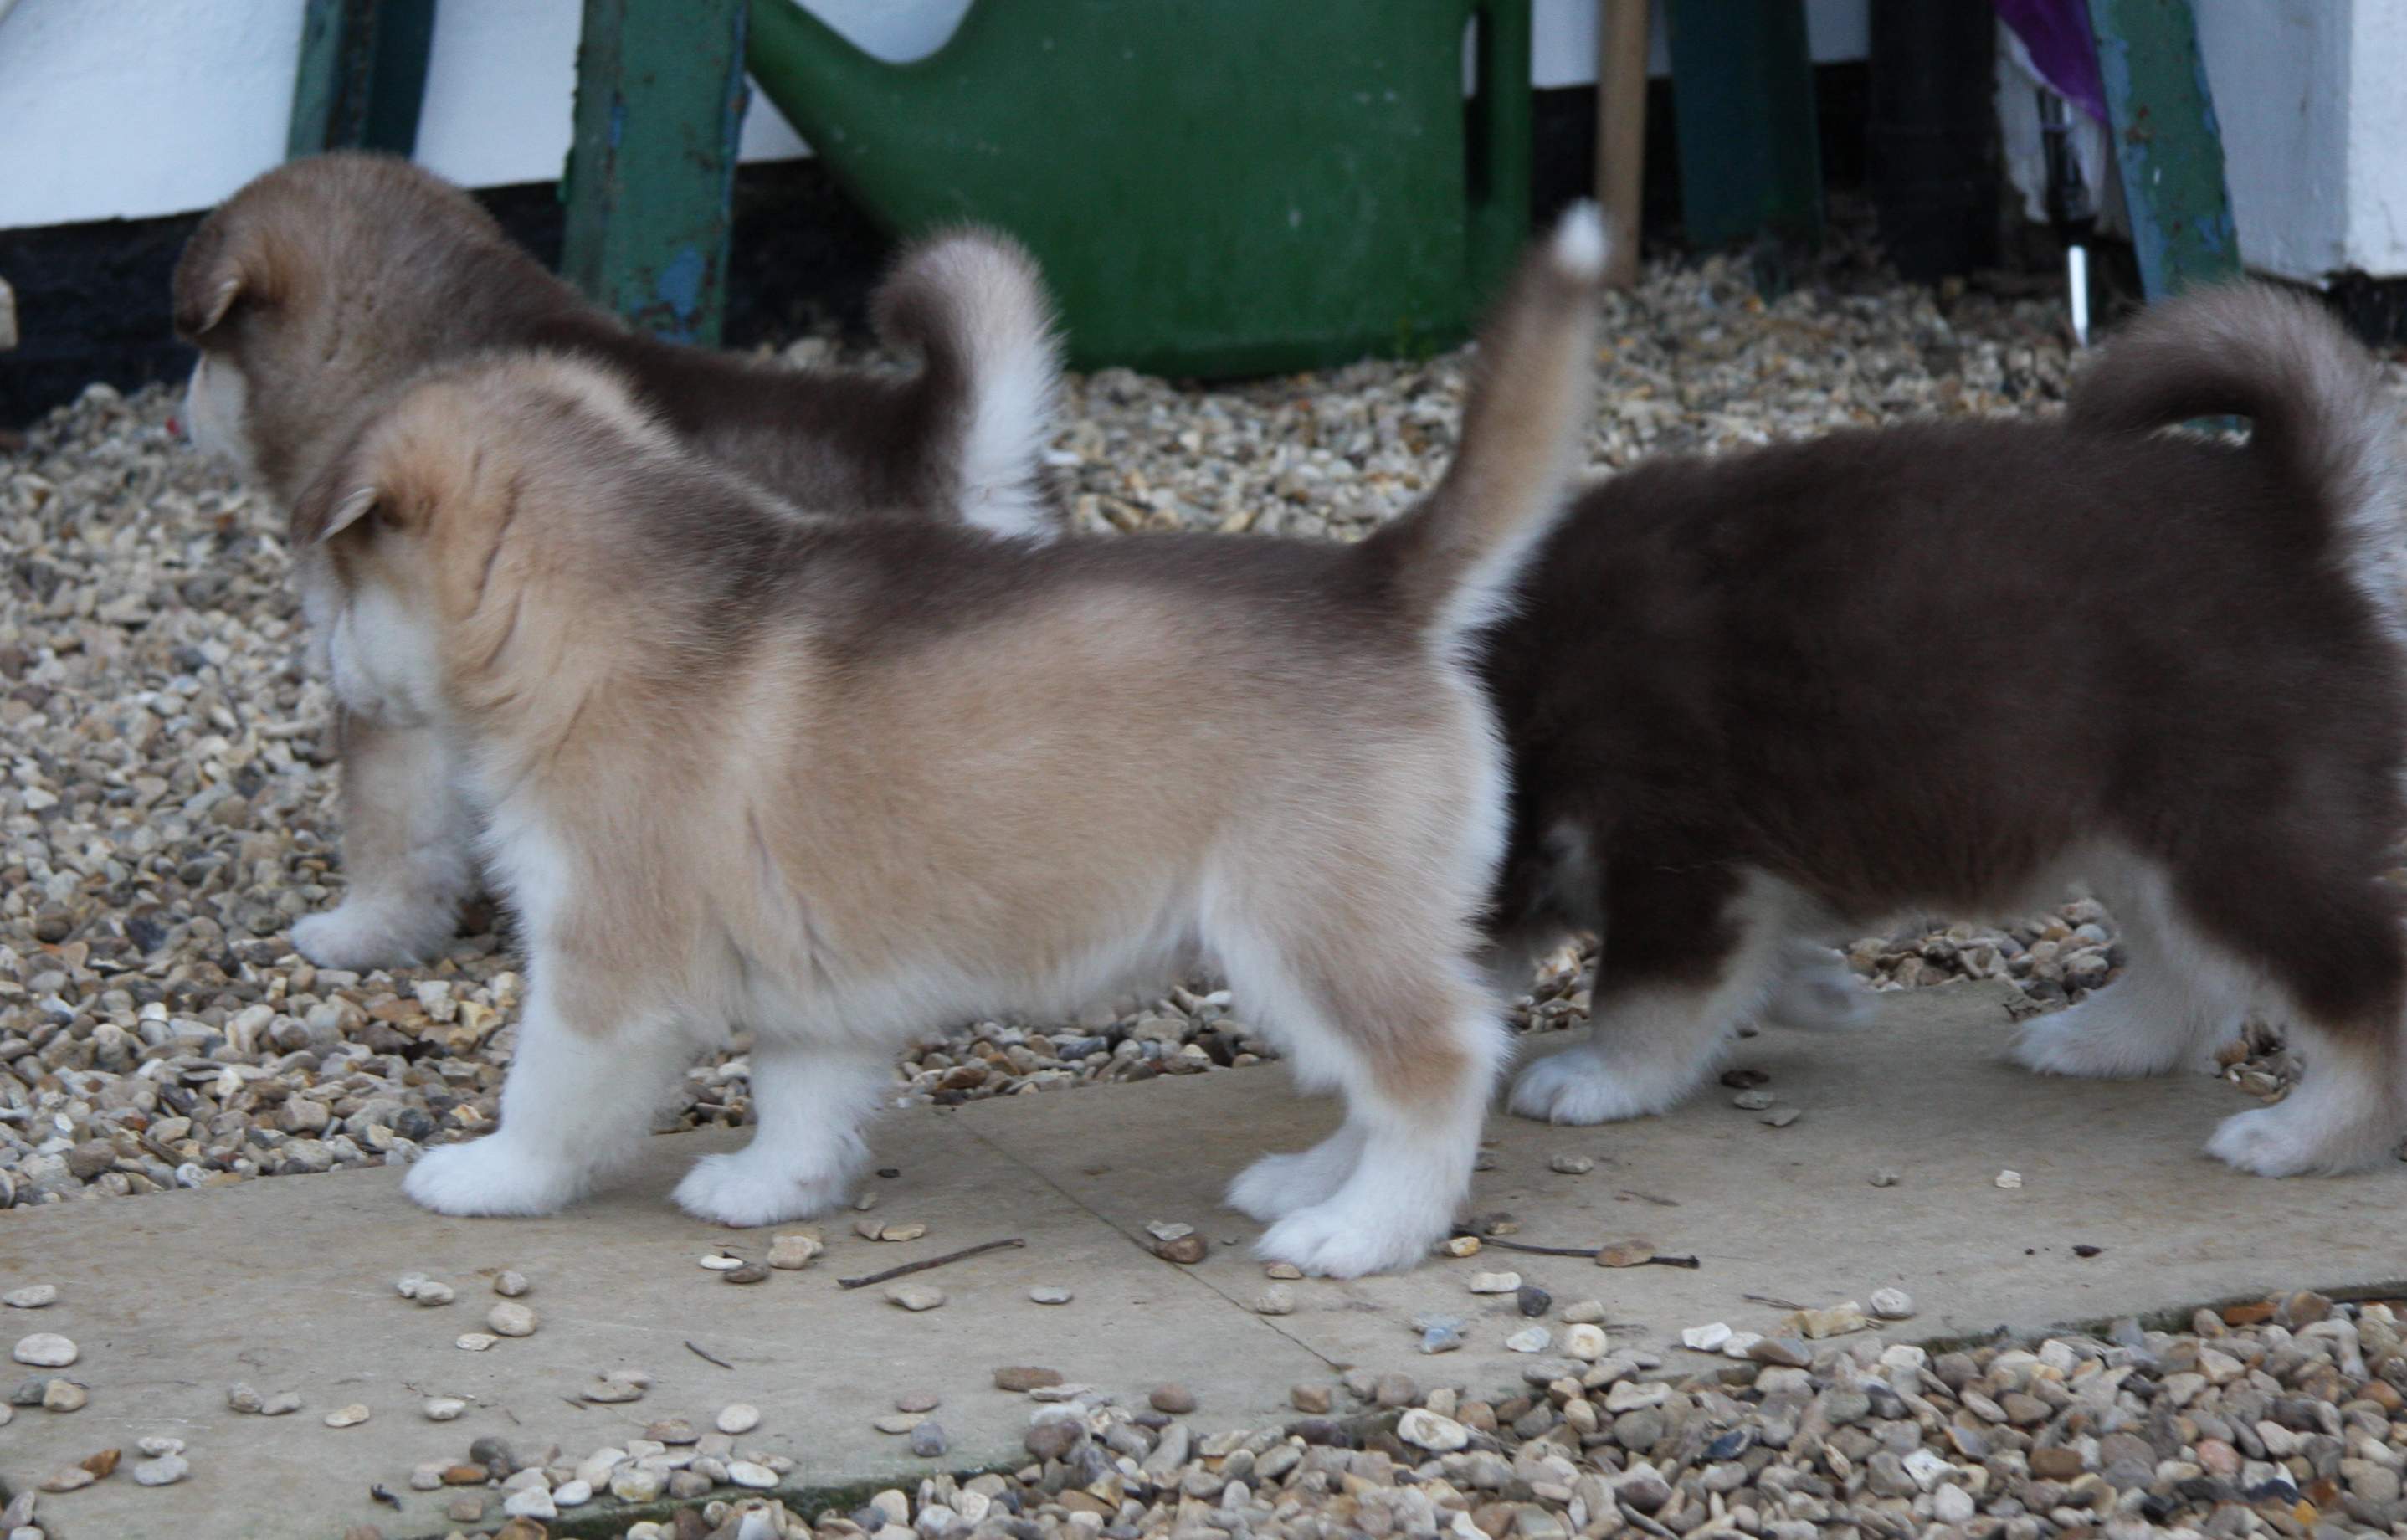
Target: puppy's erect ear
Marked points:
220	269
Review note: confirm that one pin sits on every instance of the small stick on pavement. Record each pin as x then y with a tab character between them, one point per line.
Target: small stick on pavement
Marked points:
1486	1241
707	1357
910	1267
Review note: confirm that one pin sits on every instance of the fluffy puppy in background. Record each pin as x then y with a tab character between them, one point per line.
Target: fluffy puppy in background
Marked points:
811	775
325	286
1771	698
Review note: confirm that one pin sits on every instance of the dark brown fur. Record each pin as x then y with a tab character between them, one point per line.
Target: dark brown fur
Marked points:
1931	668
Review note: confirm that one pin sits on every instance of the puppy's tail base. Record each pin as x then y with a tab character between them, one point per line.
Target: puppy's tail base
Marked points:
974	306
1452	563
2316	407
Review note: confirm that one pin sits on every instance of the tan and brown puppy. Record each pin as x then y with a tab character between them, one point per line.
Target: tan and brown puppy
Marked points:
1770	699
325	287
841	780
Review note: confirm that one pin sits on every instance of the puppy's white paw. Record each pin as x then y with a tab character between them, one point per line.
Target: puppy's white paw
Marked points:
731	1190
1815	992
1342	1239
361	933
1579	1087
492	1175
1276	1185
2296	1137
2104	1038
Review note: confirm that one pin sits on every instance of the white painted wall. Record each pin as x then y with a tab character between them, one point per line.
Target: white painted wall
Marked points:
127	109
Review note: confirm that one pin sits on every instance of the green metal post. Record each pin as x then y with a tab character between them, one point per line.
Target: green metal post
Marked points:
659	98
1743	111
2166	143
361	79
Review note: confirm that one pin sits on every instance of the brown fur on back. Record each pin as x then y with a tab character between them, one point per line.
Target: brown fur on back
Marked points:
353	272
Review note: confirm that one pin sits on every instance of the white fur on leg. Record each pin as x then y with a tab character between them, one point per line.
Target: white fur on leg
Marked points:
806	1148
2343	1115
1276	1185
1815	992
1400	1199
1643	1056
577	1103
385	929
2180	995
1647	1048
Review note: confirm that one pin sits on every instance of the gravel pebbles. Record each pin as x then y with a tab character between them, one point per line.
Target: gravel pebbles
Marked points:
2282	1418
167	814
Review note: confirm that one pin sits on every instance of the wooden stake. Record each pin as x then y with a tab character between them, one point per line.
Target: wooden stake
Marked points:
1621	129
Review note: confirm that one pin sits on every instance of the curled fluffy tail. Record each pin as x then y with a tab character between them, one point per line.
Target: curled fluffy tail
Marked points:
2316	407
973	304
1452	563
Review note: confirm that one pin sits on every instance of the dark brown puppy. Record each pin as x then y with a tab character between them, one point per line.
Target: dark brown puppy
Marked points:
324	289
1773	697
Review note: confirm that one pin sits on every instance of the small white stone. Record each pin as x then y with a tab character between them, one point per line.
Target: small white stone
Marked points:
719	1262
1707	1338
347	1417
510	1318
1167	1230
571	1494
64	1395
1892	1304
1495	1283
745	1473
426	1478
2010	1179
473	1342
635	1484
614	1389
45	1351
1741	1344
407	1285
431	1292
1275	1300
443	1408
1951	1505
166	1470
1572	1165
740	1417
1629	1395
1584	1341
531	1502
915	1296
789	1252
1049	1293
156	1447
511	1284
33	1297
282	1404
1426	1430
1529	1339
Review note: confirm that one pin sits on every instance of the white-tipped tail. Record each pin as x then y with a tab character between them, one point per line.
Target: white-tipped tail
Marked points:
973	304
1454	562
1580	244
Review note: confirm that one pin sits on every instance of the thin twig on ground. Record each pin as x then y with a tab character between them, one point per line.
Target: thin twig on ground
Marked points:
910	1267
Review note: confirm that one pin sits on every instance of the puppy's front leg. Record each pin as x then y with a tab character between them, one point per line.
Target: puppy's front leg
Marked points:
579	1101
807	1107
405	851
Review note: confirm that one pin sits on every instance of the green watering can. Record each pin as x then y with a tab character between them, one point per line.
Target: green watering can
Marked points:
1214	186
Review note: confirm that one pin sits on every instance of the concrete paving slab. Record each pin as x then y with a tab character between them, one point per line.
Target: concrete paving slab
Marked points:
287	1283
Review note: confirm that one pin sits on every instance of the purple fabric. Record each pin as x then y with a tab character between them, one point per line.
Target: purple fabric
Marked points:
2057	32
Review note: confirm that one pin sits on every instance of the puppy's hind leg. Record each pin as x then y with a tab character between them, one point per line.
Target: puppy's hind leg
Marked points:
2181	994
407	851
1689	952
577	1103
807	1149
1414	1045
